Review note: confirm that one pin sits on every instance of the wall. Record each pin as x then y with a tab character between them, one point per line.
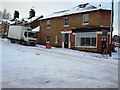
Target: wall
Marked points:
57	25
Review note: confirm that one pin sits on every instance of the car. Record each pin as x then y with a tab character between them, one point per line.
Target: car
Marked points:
117	44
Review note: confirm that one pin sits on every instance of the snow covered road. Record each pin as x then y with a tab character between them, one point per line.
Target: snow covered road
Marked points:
37	67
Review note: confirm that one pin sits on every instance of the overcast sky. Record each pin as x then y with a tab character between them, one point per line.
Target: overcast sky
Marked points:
45	7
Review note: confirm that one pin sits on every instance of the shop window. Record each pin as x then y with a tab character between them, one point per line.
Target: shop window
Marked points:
87	39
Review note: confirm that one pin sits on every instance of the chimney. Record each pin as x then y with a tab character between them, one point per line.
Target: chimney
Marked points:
16	14
31	13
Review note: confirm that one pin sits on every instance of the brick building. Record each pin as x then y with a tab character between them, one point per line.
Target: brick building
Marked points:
32	21
84	27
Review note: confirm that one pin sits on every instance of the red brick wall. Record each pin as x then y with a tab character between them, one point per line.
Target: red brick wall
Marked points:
99	43
97	18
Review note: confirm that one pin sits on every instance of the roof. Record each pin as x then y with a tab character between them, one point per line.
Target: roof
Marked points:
27	20
8	21
36	29
78	9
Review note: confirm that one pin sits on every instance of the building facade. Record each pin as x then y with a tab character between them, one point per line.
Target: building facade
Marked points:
85	30
32	21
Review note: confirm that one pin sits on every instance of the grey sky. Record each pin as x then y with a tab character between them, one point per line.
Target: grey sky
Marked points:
47	7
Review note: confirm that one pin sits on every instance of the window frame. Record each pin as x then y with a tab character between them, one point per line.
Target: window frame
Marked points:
48	22
66	21
56	39
79	38
47	39
85	20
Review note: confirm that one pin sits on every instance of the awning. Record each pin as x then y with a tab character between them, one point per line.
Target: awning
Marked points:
91	29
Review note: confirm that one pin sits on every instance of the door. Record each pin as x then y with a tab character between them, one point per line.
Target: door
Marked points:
66	40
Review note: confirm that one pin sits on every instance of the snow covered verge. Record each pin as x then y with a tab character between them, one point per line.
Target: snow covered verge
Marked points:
0	65
38	67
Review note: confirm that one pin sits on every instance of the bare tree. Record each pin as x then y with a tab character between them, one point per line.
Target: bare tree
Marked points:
5	14
0	15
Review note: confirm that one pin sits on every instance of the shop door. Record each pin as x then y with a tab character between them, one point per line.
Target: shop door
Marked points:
66	41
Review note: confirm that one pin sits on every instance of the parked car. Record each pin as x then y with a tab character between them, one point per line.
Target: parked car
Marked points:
117	44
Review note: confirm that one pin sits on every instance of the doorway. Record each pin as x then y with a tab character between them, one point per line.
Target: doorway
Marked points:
66	39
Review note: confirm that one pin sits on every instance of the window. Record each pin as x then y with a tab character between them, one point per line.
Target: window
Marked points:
56	39
25	34
48	23
85	18
47	39
32	35
87	39
66	21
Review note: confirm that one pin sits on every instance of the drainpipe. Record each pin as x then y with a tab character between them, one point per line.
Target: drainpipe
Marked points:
111	28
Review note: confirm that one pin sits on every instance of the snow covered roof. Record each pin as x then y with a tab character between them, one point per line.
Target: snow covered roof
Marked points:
29	20
36	29
8	21
78	9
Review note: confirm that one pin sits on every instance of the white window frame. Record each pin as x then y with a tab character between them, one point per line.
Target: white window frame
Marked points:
85	19
56	39
66	20
76	36
48	23
47	41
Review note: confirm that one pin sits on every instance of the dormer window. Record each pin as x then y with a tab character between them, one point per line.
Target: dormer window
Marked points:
86	19
48	24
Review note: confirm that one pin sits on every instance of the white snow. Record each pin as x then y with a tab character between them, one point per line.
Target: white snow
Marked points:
74	10
29	20
10	22
0	65
36	29
38	67
0	22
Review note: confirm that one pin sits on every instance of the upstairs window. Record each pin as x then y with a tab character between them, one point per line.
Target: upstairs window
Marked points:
66	21
85	18
48	24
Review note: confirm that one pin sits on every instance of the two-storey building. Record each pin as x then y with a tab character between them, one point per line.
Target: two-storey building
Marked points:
83	27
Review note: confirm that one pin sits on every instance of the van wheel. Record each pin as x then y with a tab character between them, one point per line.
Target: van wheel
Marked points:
23	42
12	41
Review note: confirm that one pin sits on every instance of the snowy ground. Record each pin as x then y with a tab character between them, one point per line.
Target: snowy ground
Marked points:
37	67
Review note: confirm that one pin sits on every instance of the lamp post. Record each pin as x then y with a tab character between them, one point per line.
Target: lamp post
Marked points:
111	27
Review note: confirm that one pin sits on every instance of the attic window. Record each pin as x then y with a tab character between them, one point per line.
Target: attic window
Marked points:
85	18
48	23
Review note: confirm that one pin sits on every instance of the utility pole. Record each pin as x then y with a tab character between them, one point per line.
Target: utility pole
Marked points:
111	27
